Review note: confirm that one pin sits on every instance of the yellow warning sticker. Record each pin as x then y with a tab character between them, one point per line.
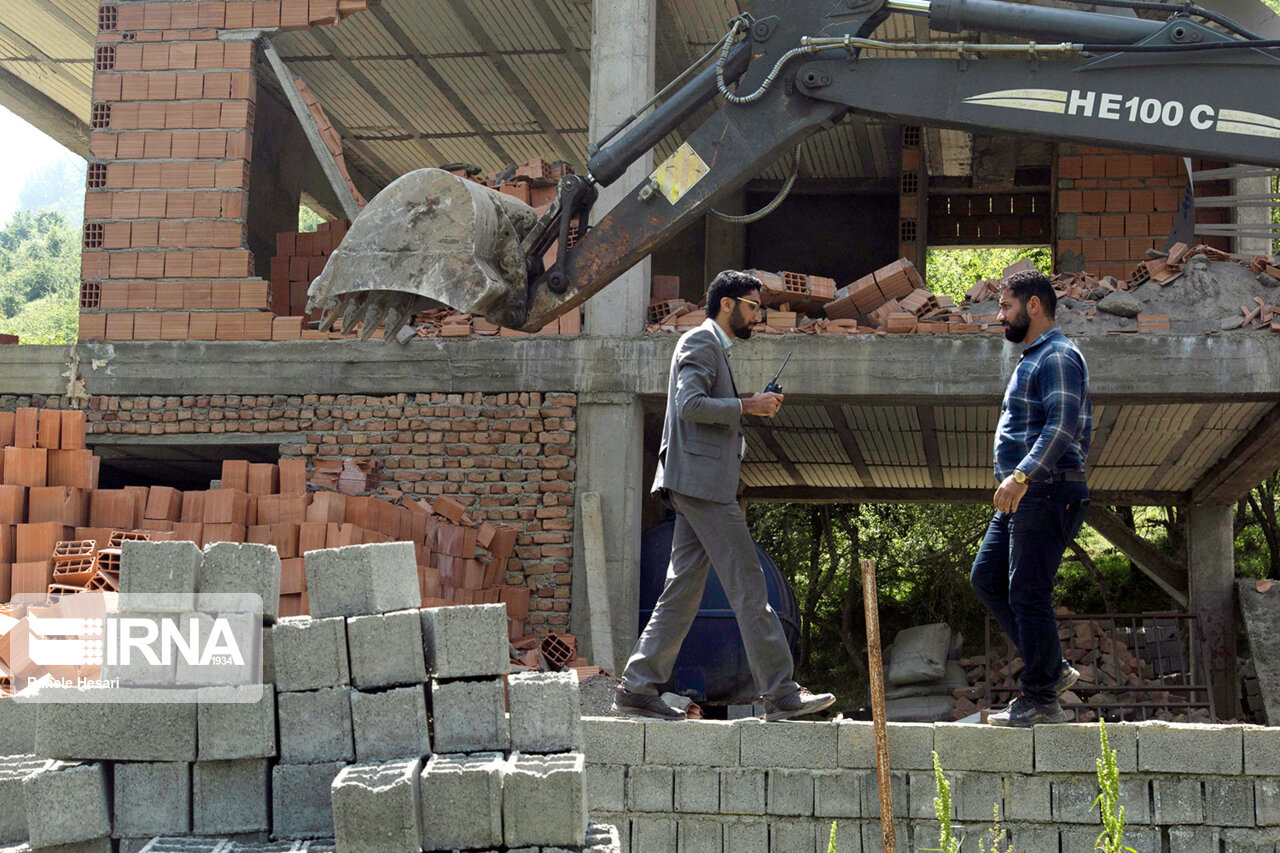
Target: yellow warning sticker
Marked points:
680	173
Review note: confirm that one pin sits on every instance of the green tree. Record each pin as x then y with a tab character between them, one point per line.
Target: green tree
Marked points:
952	272
39	278
308	219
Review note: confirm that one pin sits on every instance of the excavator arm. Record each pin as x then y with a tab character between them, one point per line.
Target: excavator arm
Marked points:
788	69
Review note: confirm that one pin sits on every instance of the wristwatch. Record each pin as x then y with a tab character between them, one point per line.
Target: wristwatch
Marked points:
1020	477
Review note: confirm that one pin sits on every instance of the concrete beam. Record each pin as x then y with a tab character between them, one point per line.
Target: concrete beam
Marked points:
44	113
901	369
1211	557
1250	462
1168	573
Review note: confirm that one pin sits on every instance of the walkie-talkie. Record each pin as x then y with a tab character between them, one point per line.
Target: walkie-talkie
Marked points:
773	387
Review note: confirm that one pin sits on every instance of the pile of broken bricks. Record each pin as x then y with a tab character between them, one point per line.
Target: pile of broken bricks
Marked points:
392	721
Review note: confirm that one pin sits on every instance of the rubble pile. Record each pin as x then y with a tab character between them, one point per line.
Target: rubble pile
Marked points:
378	725
896	300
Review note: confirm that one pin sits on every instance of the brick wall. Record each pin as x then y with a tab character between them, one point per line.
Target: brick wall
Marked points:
509	458
165	251
777	787
1115	205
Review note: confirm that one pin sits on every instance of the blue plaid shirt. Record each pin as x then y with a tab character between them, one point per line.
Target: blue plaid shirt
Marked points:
1046	419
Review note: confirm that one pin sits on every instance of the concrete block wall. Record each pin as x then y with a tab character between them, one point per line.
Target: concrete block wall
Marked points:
166	251
778	787
509	458
1112	206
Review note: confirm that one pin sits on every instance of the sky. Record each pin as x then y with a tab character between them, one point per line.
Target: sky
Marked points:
26	151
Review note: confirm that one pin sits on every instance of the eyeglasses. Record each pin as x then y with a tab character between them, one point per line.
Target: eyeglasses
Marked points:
755	306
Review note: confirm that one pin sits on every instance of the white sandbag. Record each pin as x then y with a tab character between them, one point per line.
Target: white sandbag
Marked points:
954	678
920	653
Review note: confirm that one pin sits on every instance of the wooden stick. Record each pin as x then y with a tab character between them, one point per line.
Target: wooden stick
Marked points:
875	668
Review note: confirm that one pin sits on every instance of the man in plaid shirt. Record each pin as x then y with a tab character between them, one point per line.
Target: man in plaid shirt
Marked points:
1041	446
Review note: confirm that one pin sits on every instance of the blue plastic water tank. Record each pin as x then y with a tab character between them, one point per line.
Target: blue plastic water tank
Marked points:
712	666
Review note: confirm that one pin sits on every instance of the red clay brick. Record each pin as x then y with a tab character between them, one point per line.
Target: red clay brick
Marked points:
213	144
124	117
1117	201
151	205
155	57
190	86
235	114
1160	224
178	265
236	265
200	175
1070	201
1117	165
197	295
238	55
115	294
147	176
1116	250
93	327
173	176
243	86
294	14
217	85
212	14
266	14
231	175
157	16
1162	164
209	55
1094	201
239	16
1093	167
123	265
1070	167
119	327
186	145
238	147
120	175
162	86
1141	165
150	265
205	264
130	146
1112	226
1135	225
151	116
323	11
182	57
178	116
157	145
1141	201
115	235
129	57
144	235
98	205
173	234
103	145
134	87
94	265
206	115
207	206
107	87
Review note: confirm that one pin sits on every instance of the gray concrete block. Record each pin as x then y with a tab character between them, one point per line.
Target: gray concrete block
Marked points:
1228	801
650	788
699	835
301	806
1075	747
697	790
454	785
898	788
1177	801
159	725
1190	748
310	653
653	833
1027	798
1266	798
1035	836
234	567
602	838
973	795
789	744
1193	839
700	743
742	791
1261	750
1073	799
376	807
871	836
613	740
993	749
1249	840
621	824
465	642
391	724
245	631
139	670
469	716
1135	796
66	802
790	793
230	796
837	793
910	745
848	837
13	816
747	835
315	727
17	726
798	835
546	715
94	845
386	649
924	786
229	728
169	572
544	800
606	788
151	798
360	579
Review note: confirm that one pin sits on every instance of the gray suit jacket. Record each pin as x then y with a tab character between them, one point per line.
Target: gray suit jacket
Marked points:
702	433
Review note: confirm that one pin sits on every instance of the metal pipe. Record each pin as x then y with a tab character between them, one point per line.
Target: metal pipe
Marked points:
910	7
611	163
1037	22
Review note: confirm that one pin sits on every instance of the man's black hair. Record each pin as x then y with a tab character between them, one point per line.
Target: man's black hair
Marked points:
1028	283
730	283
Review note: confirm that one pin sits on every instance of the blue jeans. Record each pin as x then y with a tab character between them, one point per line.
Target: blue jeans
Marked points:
1014	571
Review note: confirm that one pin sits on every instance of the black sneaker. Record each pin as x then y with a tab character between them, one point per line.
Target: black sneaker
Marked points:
796	704
1026	712
1067	676
644	705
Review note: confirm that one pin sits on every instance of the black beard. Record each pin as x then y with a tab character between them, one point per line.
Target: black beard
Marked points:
739	325
1017	332
742	333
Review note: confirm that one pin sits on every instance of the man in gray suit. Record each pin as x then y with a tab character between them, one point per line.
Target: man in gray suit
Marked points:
698	464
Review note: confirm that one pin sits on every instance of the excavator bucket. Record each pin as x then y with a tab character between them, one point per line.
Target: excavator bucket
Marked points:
429	239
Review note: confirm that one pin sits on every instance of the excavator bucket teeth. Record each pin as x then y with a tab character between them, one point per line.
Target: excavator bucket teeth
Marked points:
429	239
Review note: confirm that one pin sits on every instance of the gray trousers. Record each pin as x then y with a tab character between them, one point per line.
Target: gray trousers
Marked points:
709	533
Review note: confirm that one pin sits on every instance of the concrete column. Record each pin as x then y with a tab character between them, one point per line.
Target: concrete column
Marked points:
611	426
1257	217
622	74
1211	564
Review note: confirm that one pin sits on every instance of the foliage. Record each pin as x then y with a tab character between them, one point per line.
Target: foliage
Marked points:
1112	838
953	271
997	833
39	278
308	219
831	841
947	843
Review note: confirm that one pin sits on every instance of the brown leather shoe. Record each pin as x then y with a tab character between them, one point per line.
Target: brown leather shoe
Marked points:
644	705
797	704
